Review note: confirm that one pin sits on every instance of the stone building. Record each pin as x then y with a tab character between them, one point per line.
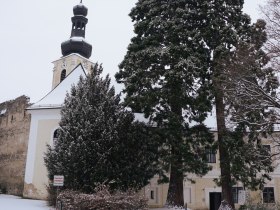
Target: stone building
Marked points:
14	132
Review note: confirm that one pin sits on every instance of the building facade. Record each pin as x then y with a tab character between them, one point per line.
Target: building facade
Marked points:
205	194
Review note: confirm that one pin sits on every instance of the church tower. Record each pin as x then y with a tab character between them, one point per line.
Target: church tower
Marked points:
76	50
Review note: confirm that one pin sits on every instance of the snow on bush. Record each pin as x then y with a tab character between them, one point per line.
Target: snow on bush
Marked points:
102	200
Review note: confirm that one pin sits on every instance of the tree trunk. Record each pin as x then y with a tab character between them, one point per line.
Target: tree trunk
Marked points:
224	157
175	195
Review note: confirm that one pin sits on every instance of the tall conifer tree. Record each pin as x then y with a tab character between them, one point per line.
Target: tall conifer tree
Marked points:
165	73
228	32
100	142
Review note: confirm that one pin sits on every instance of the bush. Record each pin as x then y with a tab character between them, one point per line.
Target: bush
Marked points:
260	206
102	200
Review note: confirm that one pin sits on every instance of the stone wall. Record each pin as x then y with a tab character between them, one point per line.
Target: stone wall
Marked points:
14	133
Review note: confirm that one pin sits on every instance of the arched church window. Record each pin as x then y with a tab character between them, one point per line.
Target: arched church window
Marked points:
55	137
62	75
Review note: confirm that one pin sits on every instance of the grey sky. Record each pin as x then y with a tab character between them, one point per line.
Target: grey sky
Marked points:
32	31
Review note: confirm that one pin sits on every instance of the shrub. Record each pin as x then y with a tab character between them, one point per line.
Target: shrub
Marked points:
260	206
102	200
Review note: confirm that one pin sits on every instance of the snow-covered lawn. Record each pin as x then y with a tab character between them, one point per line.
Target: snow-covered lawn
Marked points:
9	202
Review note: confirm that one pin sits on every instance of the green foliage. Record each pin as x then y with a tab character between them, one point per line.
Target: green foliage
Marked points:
166	77
99	141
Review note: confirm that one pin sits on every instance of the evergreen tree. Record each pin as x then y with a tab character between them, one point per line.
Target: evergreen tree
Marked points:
228	29
247	84
166	77
99	141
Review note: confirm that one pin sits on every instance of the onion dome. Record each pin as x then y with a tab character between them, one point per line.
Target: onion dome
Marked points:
80	9
77	42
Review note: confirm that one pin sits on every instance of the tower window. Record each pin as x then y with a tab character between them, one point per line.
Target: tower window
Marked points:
79	25
62	75
152	197
55	137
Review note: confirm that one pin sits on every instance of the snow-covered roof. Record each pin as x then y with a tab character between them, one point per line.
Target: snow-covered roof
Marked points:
210	121
55	98
3	111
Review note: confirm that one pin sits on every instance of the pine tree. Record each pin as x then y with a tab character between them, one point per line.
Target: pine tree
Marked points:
166	77
99	141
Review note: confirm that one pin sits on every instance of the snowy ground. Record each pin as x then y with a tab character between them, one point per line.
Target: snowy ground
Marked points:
9	202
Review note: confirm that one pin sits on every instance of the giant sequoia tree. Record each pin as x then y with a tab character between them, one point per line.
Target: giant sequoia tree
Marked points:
166	77
99	141
176	64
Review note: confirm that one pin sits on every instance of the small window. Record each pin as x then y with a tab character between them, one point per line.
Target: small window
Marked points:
55	137
62	75
267	148
235	192
152	195
210	155
266	152
268	195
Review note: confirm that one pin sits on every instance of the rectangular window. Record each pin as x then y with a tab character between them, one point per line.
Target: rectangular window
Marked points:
152	195
235	192
268	195
267	148
265	152
210	155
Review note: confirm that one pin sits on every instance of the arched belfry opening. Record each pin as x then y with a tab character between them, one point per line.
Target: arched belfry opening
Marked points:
62	75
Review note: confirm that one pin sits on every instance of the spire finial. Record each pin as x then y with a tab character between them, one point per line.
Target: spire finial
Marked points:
81	1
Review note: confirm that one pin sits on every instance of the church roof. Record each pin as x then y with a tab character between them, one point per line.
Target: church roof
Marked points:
55	98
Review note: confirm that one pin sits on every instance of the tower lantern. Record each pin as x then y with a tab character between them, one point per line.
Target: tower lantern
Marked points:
77	42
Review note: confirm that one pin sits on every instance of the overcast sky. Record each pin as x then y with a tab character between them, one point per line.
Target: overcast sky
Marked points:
32	31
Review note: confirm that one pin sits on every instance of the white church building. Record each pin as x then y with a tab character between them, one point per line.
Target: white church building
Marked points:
45	114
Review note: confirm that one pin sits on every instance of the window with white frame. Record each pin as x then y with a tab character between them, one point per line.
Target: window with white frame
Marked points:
235	192
210	155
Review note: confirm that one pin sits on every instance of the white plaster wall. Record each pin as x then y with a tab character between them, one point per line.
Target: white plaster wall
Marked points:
43	123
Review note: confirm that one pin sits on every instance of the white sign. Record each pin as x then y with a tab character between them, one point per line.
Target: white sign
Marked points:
58	180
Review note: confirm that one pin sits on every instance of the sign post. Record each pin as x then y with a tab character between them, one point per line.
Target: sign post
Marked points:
58	181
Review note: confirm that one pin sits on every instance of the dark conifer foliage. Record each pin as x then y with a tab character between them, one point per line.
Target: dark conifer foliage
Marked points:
100	142
166	77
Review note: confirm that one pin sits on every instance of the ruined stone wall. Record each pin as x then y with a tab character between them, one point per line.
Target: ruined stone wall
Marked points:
14	133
